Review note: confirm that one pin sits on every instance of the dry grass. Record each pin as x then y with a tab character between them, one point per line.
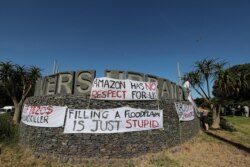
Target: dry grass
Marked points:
213	149
206	151
203	151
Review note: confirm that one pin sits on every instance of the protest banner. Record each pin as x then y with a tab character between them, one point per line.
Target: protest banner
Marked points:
124	119
185	111
113	89
43	116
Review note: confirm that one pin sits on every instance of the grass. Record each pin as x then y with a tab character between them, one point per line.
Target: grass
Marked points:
163	161
202	151
242	124
242	133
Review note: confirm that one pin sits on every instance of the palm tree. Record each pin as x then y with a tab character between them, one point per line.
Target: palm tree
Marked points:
6	76
196	83
241	84
17	81
205	71
225	84
241	74
222	89
205	68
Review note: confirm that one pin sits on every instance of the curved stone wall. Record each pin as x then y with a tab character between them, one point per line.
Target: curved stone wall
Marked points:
77	147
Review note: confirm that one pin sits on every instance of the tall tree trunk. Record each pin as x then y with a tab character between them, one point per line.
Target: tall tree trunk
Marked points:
216	117
17	114
18	106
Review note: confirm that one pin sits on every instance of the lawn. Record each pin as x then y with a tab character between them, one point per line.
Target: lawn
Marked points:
242	124
242	133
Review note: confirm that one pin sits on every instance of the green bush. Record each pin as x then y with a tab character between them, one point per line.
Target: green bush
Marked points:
8	131
226	125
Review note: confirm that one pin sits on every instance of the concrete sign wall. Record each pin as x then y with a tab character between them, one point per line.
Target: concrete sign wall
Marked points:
80	83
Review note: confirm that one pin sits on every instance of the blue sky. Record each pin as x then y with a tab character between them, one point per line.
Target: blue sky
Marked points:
148	36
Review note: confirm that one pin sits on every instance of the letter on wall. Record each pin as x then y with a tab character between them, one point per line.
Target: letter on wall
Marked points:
83	82
151	78
80	83
165	89
115	74
180	94
39	87
135	76
174	90
50	87
65	83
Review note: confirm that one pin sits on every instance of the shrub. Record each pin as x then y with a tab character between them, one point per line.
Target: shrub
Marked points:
225	125
8	131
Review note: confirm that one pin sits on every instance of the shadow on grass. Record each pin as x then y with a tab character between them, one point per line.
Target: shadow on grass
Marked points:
237	145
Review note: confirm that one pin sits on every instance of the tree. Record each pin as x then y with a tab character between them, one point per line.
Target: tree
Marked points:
17	81
4	99
205	71
233	84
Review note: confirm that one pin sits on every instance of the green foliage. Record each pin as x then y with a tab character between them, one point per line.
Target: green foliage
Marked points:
4	99
241	124
226	125
233	84
18	82
8	131
204	72
201	102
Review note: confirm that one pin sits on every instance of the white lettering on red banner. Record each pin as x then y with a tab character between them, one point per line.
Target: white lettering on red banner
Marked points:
43	116
114	89
124	119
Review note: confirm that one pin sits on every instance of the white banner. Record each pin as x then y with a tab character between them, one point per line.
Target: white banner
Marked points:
113	89
124	119
185	111
43	116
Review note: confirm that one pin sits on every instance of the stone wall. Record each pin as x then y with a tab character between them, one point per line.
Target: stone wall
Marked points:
76	147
